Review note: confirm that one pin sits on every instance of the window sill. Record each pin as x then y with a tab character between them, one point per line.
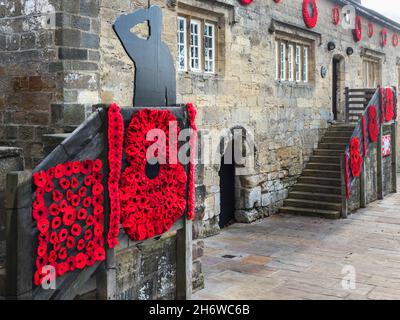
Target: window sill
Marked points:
309	85
195	74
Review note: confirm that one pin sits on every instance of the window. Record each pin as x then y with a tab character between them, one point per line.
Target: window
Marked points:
372	72
182	47
298	64
292	61
209	48
305	64
195	46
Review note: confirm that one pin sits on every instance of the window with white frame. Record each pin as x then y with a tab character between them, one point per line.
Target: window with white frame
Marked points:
195	45
292	61
283	62
298	64
182	47
305	64
209	47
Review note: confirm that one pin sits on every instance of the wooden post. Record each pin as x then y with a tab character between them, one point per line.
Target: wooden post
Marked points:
184	261
394	156
344	212
379	170
19	226
363	186
347	106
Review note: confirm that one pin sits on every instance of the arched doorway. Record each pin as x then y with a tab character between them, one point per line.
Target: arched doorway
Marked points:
338	86
227	188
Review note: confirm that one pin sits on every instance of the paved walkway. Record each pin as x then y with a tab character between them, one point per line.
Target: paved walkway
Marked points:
290	257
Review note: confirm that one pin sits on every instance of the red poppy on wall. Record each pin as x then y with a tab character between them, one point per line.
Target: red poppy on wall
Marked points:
370	29
384	37
336	15
358	30
246	2
395	39
389	110
310	13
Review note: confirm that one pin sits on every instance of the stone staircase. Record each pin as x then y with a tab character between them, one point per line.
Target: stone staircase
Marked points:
318	190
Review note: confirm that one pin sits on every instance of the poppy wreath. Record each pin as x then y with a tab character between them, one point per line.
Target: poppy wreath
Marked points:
395	39
370	29
347	172
364	133
384	37
358	30
336	15
310	21
246	2
277	1
389	112
373	126
191	110
151	205
355	157
115	142
68	211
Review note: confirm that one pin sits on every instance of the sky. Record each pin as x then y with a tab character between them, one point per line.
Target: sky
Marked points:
389	8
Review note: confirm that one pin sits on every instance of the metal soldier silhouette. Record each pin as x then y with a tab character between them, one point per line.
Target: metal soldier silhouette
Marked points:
155	78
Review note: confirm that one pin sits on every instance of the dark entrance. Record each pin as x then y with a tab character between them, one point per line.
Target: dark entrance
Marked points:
335	87
227	189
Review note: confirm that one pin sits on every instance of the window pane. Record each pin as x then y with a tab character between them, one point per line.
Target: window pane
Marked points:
283	61
298	63
195	43
305	64
209	48
182	47
290	63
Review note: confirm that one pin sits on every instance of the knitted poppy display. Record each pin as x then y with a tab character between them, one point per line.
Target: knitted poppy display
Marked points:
246	2
364	134
358	29
310	13
60	217
389	110
191	110
395	39
370	29
151	203
115	141
384	38
355	157
373	125
336	15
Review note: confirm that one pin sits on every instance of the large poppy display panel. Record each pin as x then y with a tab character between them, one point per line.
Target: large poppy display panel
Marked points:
137	230
69	215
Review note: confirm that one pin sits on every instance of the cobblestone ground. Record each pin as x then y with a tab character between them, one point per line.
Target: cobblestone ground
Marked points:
290	257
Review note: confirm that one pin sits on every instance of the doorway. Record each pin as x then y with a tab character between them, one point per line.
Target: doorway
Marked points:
227	188
335	87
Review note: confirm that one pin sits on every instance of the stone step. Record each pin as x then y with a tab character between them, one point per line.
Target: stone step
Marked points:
307	187
312	204
321	173
2	281
321	181
338	134
323	166
336	146
51	141
342	127
325	159
328	152
328	214
335	139
316	196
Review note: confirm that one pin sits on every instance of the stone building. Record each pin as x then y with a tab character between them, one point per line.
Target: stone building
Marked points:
257	67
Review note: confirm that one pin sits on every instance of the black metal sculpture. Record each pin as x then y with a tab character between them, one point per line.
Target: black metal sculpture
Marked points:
155	78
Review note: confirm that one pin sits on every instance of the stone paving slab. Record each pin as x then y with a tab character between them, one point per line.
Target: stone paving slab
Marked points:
292	257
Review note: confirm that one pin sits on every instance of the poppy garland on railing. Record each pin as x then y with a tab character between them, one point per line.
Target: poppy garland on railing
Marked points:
389	106
150	205
191	110
364	135
355	157
115	141
373	125
70	228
